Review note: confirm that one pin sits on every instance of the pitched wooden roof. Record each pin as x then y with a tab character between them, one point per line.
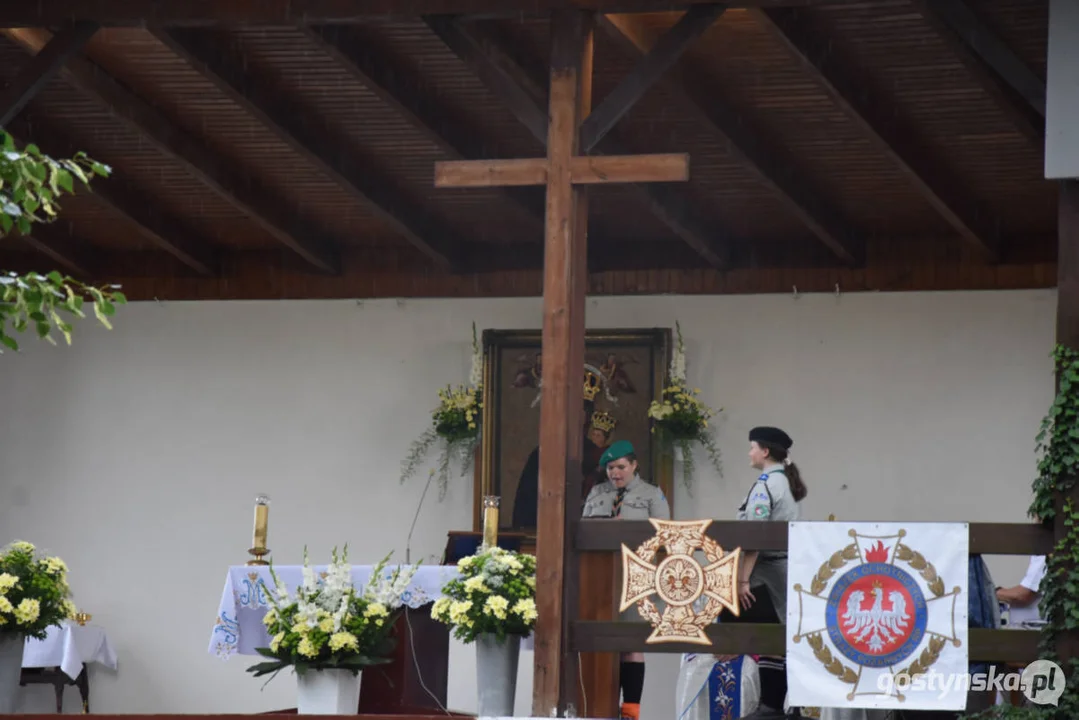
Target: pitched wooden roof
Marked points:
287	149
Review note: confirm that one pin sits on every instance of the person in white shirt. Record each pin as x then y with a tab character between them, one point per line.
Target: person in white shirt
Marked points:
1023	599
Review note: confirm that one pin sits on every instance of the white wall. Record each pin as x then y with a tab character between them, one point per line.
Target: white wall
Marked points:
135	454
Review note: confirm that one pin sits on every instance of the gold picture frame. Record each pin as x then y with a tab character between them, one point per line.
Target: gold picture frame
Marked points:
634	364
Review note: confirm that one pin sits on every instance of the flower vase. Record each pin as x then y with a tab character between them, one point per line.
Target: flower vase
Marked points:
328	692
679	454
11	649
496	674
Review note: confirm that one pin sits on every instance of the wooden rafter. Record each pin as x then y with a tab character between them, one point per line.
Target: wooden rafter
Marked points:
229	72
1005	77
776	172
358	51
882	123
169	233
246	193
66	251
525	97
656	61
141	13
42	67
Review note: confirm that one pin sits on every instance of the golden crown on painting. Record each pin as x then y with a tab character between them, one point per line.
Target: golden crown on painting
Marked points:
603	420
593	383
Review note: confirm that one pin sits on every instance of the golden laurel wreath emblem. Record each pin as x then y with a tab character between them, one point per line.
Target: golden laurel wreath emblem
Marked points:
680	581
857	554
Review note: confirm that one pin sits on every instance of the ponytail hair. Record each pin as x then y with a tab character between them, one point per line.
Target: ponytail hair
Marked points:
794	475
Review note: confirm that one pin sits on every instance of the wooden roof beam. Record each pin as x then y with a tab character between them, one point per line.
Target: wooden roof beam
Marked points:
308	137
526	97
358	51
246	193
778	173
42	68
881	122
63	249
167	232
148	13
1005	77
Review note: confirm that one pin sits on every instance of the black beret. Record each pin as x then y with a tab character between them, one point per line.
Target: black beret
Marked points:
772	436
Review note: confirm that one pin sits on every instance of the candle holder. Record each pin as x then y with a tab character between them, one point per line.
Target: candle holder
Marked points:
490	521
262	519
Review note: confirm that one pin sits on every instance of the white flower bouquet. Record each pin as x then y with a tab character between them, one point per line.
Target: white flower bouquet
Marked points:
680	418
495	595
328	624
34	594
455	422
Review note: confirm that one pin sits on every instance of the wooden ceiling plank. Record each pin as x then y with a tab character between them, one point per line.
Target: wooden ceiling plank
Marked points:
584	170
64	250
168	233
42	68
149	13
246	193
358	51
309	138
779	175
881	122
513	84
1016	89
650	68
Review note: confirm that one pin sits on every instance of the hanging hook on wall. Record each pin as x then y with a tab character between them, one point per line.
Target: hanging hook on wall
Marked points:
795	291
837	290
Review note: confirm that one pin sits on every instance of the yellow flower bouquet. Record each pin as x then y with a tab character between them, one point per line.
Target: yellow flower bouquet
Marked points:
455	422
681	418
329	624
34	593
494	595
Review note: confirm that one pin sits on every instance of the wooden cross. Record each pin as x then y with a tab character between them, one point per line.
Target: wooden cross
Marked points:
564	172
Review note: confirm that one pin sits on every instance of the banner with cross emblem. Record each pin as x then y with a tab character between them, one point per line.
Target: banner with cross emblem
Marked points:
877	615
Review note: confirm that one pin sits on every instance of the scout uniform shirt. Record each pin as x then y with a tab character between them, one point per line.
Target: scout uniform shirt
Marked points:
638	501
770	499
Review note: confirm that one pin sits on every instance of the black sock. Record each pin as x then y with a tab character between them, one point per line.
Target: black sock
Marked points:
773	673
632	680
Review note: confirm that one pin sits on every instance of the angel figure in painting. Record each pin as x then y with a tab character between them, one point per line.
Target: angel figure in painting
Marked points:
616	379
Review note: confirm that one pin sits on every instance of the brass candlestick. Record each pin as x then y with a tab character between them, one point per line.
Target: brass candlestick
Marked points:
262	518
490	521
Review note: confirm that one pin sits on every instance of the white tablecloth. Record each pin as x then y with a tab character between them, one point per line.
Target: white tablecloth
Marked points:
69	647
238	627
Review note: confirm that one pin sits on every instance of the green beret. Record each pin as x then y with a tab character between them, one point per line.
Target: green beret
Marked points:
618	449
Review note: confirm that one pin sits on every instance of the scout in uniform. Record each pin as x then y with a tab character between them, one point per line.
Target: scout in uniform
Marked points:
762	588
625	495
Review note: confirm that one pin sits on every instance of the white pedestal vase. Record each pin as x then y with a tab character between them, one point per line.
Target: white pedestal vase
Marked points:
679	454
11	649
328	692
496	674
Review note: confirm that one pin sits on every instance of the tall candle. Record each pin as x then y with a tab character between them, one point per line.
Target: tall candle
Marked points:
490	521
262	516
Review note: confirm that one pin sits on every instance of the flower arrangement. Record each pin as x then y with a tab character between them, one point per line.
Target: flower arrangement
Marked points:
328	624
34	594
455	422
681	418
495	595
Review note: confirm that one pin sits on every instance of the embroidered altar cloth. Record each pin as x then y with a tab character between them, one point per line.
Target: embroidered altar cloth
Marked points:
238	627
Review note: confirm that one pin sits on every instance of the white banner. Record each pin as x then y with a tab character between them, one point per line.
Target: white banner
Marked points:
877	615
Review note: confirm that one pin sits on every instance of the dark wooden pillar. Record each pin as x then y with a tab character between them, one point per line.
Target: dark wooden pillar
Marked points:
1068	335
561	414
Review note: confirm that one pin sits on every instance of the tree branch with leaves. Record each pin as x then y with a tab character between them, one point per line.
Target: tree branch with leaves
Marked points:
31	185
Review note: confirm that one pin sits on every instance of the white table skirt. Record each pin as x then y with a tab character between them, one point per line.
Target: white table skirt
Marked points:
70	647
238	627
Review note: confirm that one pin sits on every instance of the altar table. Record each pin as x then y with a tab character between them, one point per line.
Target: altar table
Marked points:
238	627
69	647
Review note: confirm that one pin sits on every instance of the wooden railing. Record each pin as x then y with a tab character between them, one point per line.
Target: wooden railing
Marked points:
595	630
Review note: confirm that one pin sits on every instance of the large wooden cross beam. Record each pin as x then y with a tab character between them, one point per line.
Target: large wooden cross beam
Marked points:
565	172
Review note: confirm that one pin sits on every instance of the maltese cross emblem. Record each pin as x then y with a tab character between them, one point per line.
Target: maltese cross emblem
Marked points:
694	594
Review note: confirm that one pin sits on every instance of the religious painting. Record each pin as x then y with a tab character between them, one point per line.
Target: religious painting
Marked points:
623	373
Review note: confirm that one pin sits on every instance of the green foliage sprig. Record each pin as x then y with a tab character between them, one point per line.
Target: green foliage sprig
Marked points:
1058	468
31	184
34	594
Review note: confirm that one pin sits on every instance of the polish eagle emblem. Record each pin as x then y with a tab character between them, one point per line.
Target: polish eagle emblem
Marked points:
866	613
